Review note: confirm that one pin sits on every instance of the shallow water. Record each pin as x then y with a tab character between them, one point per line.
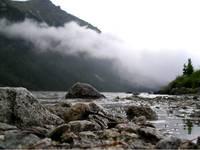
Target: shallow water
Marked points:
171	121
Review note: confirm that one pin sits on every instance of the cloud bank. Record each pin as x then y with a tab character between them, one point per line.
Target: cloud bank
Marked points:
145	67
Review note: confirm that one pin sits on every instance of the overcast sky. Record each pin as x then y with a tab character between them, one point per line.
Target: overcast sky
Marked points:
156	25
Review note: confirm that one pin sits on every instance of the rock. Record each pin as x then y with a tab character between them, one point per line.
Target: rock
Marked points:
68	137
150	134
168	143
59	109
198	141
79	111
6	127
128	127
57	133
188	145
140	120
83	90
17	139
83	125
110	134
93	107
100	116
47	143
87	135
137	111
18	106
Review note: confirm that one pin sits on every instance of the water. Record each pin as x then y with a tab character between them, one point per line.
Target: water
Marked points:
171	119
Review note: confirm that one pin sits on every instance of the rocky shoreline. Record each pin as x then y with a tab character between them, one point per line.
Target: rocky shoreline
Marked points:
25	123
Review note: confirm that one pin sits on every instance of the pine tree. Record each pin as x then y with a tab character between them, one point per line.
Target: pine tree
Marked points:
184	69
188	69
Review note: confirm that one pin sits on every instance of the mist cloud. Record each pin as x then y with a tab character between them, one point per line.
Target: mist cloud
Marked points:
144	67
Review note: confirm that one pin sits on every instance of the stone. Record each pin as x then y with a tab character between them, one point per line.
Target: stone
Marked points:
59	109
188	145
68	137
128	127
57	133
19	107
168	143
79	111
83	90
137	111
110	134
150	134
87	135
16	139
83	125
5	127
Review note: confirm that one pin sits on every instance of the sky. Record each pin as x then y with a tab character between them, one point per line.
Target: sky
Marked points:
155	24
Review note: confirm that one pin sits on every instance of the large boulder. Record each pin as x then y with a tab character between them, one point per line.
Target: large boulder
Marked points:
138	111
169	143
83	90
19	107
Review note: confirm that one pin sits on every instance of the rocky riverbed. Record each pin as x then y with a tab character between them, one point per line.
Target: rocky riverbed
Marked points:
46	120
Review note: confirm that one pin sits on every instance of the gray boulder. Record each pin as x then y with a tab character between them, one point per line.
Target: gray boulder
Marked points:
150	134
19	107
169	143
83	90
16	139
138	111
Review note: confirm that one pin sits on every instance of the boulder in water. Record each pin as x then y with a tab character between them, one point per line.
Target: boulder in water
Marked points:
169	143
137	111
83	90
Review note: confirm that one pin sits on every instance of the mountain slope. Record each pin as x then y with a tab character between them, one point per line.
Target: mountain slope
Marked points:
21	65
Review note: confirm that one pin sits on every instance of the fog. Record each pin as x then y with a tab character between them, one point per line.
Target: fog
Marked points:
147	67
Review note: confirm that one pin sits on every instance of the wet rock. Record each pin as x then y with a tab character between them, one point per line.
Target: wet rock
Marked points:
68	137
83	125
93	107
47	143
79	111
137	111
100	116
38	131
17	139
168	143
150	134
198	141
188	145
6	127
59	109
195	114
83	90
18	106
140	120
110	134
87	135
128	127
57	133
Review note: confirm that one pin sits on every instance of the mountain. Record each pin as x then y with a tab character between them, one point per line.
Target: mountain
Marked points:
21	65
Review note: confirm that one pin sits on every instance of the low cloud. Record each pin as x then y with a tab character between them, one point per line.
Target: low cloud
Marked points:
145	67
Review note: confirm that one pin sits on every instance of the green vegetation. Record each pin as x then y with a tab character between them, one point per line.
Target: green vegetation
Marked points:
187	83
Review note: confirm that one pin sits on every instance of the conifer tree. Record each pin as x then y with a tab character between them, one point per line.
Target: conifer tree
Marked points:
188	69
